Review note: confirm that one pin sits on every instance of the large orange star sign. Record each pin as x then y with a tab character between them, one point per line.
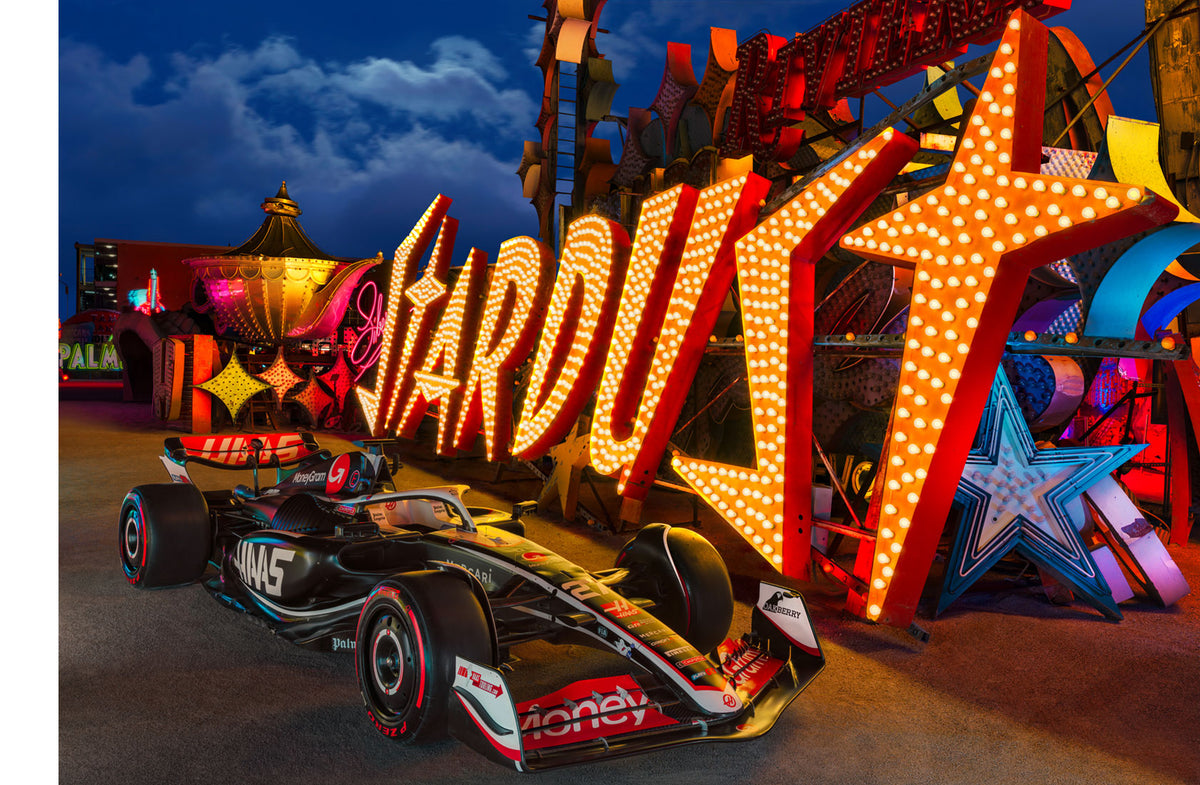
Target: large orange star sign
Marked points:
973	243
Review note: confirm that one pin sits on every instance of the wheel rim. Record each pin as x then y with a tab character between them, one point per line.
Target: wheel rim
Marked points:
132	541
393	669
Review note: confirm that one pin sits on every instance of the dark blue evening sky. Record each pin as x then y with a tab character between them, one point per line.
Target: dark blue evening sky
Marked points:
177	119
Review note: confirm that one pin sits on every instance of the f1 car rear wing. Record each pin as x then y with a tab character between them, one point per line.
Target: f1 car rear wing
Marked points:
243	451
617	716
273	450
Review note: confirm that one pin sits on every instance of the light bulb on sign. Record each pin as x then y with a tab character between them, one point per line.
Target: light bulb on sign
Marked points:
585	298
689	299
513	315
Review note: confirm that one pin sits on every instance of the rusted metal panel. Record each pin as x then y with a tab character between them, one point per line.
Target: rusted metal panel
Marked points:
1175	73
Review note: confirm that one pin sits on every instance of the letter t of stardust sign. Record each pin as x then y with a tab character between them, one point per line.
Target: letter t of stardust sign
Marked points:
634	319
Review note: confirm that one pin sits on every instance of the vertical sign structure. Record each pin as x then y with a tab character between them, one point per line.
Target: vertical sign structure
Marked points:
654	261
766	100
379	402
427	297
512	317
570	357
973	243
447	359
770	503
671	333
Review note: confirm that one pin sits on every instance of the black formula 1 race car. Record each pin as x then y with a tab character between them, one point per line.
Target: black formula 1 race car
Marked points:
431	595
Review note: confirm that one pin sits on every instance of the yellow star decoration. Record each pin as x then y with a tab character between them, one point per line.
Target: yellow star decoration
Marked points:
570	458
973	242
281	378
233	386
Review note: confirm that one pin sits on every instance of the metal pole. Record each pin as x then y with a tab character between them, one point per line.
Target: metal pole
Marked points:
1145	37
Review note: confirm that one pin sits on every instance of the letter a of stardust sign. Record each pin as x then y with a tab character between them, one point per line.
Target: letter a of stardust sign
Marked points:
627	322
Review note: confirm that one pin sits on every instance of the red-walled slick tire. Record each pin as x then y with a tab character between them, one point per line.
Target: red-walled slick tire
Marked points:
410	630
164	535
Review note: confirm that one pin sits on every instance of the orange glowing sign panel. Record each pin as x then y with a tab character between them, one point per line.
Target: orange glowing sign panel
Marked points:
448	357
570	357
426	299
672	298
972	243
379	403
512	317
768	504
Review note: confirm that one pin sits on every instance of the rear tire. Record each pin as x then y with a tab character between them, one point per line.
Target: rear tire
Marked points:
165	535
687	579
410	630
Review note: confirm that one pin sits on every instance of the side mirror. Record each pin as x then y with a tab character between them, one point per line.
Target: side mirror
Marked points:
521	509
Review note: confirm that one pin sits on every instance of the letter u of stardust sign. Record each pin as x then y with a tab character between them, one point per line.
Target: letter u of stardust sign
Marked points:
628	321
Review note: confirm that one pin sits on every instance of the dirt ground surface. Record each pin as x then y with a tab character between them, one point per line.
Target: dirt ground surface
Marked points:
169	686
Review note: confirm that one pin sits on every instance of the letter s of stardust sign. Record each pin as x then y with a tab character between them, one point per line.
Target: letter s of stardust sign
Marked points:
629	321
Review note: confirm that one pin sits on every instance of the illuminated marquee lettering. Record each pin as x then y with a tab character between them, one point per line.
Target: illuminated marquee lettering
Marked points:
973	243
570	356
427	296
512	317
769	504
699	279
871	44
657	248
377	403
448	358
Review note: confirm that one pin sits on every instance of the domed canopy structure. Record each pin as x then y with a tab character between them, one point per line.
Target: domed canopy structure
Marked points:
281	234
278	285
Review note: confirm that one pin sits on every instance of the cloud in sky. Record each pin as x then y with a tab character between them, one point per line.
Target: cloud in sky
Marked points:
180	136
192	149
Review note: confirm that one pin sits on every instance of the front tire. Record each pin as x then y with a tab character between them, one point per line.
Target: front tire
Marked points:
687	579
165	535
410	630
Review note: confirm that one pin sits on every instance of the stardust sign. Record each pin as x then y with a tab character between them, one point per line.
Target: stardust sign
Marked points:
628	322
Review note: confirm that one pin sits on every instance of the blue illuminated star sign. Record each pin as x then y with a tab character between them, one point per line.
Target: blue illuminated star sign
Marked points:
1015	497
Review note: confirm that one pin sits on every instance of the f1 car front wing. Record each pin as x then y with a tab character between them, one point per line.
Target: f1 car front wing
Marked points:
616	716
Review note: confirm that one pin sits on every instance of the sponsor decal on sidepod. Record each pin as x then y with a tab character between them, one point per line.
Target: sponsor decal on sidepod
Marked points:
261	566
